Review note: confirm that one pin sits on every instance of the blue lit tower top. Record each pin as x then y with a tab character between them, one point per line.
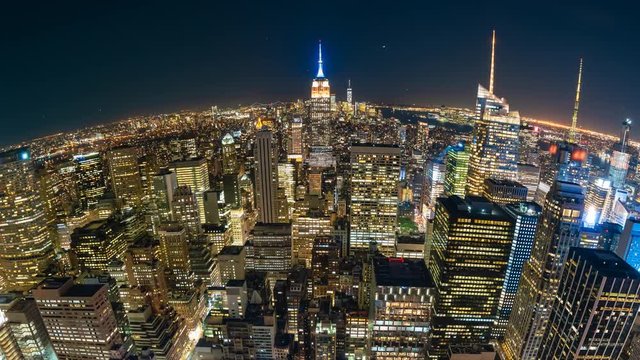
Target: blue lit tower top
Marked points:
320	73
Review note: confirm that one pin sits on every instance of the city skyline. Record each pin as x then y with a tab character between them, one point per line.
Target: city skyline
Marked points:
89	71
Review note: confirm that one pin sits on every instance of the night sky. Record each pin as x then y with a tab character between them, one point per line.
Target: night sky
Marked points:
65	65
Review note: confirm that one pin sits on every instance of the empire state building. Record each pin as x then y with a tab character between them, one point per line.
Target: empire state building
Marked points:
320	107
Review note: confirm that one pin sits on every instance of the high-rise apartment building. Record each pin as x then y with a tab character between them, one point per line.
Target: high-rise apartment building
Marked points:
470	250
125	175
595	308
559	230
375	172
26	247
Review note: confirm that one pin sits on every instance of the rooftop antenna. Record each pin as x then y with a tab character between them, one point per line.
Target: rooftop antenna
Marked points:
493	57
576	106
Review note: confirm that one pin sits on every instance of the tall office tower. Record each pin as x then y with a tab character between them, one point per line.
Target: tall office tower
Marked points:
25	244
266	176
184	207
598	202
404	296
230	163
98	243
296	143
238	226
164	185
526	216
286	181
584	322
27	329
349	93
305	228
572	138
529	176
422	135
269	248
456	168
201	258
529	148
78	318
296	303
193	173
212	200
125	175
433	186
357	331
231	263
619	166
469	253
504	191
325	262
495	145
156	331
174	253
90	178
375	172
145	272
231	190
320	107
629	245
559	229
148	166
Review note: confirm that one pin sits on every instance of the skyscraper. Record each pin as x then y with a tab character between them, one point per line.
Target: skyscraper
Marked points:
456	168
404	293
320	105
90	178
495	145
526	216
230	163
619	165
266	177
174	253
629	246
598	202
595	308
79	318
296	144
375	172
470	249
98	243
125	175
349	94
559	230
25	245
193	173
433	186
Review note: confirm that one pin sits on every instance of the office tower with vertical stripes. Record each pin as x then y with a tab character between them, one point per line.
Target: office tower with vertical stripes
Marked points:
595	308
559	230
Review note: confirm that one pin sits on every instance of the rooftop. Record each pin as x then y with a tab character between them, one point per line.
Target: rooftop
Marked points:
231	250
402	272
606	262
473	207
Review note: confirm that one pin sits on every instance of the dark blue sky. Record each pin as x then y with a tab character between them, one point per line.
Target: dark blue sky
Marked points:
64	65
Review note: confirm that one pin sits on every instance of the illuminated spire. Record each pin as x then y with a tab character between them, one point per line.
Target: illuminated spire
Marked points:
493	57
320	72
574	119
